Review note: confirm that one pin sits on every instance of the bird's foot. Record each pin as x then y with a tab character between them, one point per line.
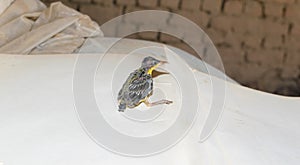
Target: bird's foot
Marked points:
168	102
148	104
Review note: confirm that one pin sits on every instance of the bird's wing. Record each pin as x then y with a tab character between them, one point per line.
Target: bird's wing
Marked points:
139	88
120	93
129	79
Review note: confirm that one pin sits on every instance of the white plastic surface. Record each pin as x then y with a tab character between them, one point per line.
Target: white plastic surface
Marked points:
38	123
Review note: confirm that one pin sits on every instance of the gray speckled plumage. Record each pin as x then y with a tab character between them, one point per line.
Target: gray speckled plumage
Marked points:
138	86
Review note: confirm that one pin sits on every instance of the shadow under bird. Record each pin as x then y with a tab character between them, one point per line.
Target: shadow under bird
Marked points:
139	86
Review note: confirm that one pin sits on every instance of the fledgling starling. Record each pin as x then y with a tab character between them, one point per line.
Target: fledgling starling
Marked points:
139	86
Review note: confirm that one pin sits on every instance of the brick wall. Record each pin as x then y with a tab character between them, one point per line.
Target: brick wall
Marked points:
258	40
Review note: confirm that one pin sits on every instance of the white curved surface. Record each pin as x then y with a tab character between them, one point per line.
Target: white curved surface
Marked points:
125	46
39	125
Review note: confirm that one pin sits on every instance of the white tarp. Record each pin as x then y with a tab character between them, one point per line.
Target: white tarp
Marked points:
28	27
39	125
4	5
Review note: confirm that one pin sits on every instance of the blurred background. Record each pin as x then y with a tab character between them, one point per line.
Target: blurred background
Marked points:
258	40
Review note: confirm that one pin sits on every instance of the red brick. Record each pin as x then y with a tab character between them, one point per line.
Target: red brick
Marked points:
235	71
233	7
223	23
170	3
252	41
126	2
293	12
270	81
148	3
198	17
216	36
86	1
293	58
65	2
273	9
246	73
154	19
191	4
105	2
185	29
248	25
253	72
290	72
233	40
133	8
230	56
267	57
296	30
257	26
213	6
253	8
273	41
99	13
71	4
274	27
280	1
292	42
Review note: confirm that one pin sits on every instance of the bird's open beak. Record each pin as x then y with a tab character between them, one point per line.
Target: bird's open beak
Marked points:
163	62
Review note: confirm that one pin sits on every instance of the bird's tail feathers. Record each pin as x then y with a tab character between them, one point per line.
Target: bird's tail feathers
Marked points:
122	107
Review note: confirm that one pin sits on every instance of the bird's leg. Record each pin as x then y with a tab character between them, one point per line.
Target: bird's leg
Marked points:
148	104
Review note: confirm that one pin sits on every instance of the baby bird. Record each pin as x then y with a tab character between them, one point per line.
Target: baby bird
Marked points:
139	86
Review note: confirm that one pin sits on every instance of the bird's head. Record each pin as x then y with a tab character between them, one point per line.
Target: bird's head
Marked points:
151	63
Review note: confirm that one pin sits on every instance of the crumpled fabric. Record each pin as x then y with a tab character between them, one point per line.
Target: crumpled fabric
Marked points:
4	4
40	30
20	7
